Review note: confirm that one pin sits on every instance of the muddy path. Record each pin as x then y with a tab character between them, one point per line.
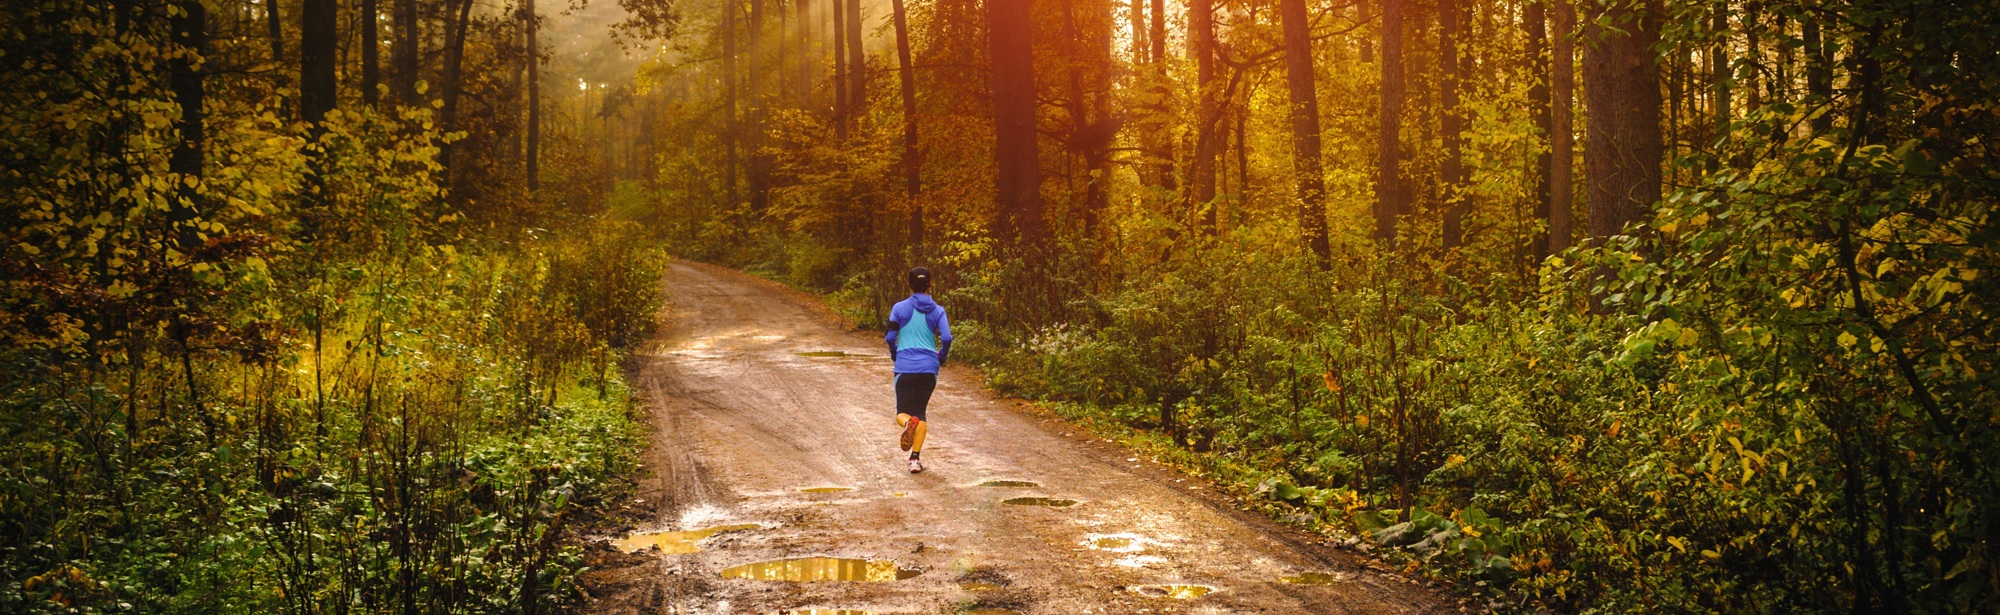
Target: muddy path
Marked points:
757	395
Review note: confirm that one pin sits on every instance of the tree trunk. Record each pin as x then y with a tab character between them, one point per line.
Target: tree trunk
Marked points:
534	59
190	32
1621	87
912	179
1388	174
730	132
454	68
1140	42
404	53
1158	38
1819	72
274	28
803	8
1299	79
857	62
759	171
1534	19
1562	143
317	38
371	53
1201	171
1721	76
1451	170
1010	34
840	43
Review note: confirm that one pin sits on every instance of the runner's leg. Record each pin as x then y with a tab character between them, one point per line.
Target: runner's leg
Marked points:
922	386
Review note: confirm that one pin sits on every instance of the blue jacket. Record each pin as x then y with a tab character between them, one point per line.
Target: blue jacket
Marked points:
919	344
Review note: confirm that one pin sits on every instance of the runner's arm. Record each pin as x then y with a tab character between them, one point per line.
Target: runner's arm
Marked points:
894	328
944	337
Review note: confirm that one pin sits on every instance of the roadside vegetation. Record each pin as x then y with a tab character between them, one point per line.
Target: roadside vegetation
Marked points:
255	363
1662	307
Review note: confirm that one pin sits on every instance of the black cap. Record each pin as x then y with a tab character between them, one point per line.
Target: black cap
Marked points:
920	279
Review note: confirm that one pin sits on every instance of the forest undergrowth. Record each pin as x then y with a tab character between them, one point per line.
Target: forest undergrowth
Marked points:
297	378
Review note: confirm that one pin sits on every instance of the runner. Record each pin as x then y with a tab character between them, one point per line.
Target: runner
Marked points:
920	339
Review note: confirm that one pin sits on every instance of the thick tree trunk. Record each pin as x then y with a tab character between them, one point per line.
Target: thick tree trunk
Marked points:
1562	142
1451	170
317	38
404	53
1388	172
534	59
1534	19
1621	86
1201	171
1299	79
1010	36
912	178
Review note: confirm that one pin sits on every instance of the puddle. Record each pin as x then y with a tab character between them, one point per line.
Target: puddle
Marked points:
978	586
821	569
1039	502
1111	543
825	353
1116	543
1177	592
1009	483
1314	578
676	542
825	489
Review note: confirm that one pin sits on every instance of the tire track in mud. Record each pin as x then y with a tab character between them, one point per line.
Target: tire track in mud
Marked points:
743	421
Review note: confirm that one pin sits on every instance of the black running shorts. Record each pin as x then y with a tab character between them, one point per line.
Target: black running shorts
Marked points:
913	393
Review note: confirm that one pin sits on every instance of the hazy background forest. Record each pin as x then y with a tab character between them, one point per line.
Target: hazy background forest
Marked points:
1592	305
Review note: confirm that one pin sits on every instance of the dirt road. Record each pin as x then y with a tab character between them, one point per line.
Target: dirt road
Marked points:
752	405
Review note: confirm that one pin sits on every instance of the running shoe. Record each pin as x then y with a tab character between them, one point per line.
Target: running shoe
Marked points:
910	433
916	467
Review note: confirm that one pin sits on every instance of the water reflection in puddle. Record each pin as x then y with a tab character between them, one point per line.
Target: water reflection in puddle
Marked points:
825	489
1009	483
1313	578
1177	592
1116	543
821	569
676	542
978	586
1058	503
